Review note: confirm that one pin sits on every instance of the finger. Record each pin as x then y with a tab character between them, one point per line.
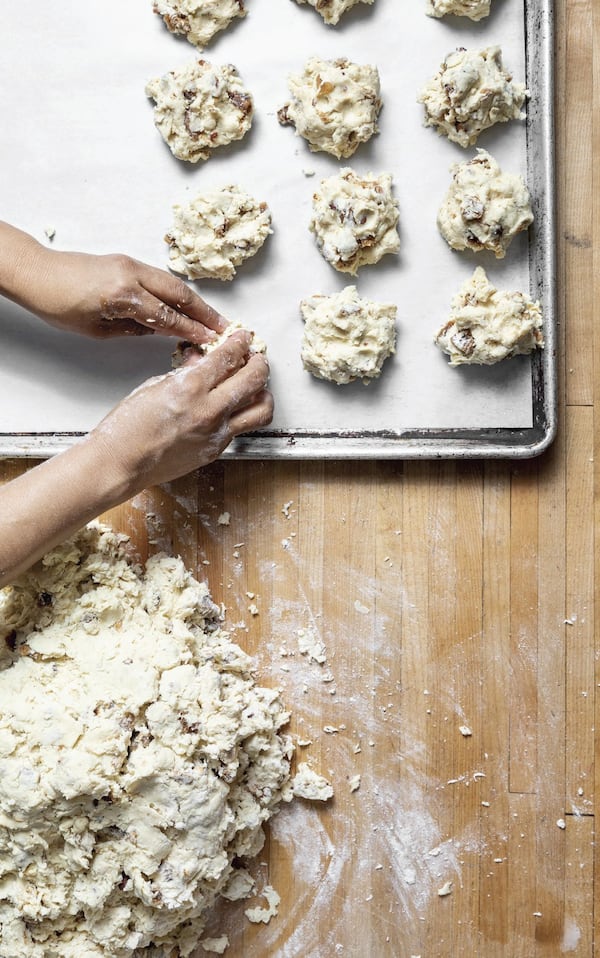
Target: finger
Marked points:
256	415
107	328
193	313
239	390
226	360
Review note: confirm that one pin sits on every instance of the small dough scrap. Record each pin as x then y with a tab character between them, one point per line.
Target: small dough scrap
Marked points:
199	20
487	326
334	105
216	232
473	9
470	93
346	337
332	10
484	207
264	914
216	946
307	784
199	108
355	219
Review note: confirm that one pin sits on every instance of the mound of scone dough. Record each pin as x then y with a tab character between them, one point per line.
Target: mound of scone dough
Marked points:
487	325
473	9
334	105
138	756
355	219
332	10
216	232
179	356
346	337
199	20
470	93
199	108
484	207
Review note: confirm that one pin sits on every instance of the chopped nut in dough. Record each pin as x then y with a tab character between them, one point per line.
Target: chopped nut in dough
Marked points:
216	232
346	337
199	20
473	9
332	10
138	756
334	105
355	219
470	93
487	325
484	207
199	108
307	784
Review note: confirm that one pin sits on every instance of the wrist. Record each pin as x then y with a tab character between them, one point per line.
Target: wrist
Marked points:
22	262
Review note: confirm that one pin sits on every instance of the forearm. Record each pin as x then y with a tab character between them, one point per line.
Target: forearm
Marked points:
20	263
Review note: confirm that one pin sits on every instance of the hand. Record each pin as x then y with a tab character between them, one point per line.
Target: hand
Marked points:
175	423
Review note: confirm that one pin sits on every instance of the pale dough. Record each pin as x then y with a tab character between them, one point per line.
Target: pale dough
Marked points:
200	108
487	325
332	10
216	232
473	9
199	20
470	93
308	784
484	207
346	337
355	219
334	105
138	756
178	357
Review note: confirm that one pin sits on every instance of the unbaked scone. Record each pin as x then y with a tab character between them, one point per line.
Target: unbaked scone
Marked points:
355	219
473	9
346	337
199	20
334	105
199	108
332	10
484	207
183	348
216	232
487	325
470	93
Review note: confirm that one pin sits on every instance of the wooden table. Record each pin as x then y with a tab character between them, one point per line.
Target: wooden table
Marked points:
456	603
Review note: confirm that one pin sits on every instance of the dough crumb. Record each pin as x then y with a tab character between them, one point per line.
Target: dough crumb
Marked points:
224	519
473	9
311	786
217	946
465	730
310	645
240	885
260	914
332	10
199	20
354	783
446	889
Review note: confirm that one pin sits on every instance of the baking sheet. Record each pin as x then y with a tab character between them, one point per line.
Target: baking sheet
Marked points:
80	154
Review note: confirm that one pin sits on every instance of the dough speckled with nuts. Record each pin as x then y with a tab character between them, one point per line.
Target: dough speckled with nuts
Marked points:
473	9
199	20
334	105
346	337
487	326
138	757
200	108
216	232
355	219
484	207
332	10
183	348
470	93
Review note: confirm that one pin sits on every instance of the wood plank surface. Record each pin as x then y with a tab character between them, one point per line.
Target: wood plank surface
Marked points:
457	605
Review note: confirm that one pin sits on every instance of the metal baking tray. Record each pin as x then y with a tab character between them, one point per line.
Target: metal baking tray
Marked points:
106	182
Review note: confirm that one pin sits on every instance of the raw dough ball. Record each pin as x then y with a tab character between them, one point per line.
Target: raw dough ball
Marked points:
487	326
334	105
199	20
200	108
471	93
216	232
332	10
473	9
138	757
346	337
484	208
355	219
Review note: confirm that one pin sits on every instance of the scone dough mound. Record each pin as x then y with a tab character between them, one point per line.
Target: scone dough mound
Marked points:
138	757
487	325
484	208
473	9
346	337
216	232
355	219
199	20
200	108
178	357
332	10
470	93
334	105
